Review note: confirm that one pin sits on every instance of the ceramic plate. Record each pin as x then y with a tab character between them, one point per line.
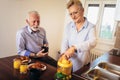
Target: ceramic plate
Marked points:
37	65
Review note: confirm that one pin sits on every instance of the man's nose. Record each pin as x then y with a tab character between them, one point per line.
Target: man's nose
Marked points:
36	23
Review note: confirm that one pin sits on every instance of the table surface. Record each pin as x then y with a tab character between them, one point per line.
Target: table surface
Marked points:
7	72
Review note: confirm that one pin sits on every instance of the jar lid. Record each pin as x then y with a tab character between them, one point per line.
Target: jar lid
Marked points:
17	59
65	63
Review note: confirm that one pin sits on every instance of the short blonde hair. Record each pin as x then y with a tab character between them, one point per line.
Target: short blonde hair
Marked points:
74	2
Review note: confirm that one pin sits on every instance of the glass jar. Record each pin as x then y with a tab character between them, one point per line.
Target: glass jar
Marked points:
16	63
64	69
23	68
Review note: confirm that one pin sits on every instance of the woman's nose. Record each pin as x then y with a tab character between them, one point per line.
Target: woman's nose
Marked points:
73	16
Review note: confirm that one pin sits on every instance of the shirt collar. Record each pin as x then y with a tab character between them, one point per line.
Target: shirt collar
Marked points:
85	25
29	29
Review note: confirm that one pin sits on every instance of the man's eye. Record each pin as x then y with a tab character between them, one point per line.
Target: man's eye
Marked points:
70	14
38	21
33	21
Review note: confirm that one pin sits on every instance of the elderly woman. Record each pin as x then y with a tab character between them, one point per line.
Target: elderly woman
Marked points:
79	36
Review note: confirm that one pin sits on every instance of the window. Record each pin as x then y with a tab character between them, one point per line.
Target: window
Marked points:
107	25
93	17
102	14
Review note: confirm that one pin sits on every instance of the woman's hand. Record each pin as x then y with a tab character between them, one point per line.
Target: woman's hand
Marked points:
70	52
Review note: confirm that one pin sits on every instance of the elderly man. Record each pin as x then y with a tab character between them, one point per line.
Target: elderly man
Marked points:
79	36
31	38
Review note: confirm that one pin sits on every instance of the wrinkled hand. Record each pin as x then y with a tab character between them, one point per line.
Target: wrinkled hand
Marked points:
70	52
41	54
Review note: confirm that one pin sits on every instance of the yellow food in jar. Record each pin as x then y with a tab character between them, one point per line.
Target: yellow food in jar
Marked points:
17	64
23	68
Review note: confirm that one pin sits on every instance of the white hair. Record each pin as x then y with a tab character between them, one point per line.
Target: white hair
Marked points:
32	12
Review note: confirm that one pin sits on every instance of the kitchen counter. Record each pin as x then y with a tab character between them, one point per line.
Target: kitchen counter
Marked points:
107	57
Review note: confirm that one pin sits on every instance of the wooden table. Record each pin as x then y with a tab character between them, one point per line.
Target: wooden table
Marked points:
7	72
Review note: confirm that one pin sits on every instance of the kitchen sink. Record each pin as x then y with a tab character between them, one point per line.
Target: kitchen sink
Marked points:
110	67
104	71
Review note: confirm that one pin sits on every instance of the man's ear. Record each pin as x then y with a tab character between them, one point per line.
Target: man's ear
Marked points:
27	21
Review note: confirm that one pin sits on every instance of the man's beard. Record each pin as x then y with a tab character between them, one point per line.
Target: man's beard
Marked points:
35	28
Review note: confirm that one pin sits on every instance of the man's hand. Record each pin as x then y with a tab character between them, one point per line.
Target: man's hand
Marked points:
41	54
70	52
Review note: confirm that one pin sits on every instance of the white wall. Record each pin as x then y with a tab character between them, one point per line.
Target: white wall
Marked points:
12	18
117	15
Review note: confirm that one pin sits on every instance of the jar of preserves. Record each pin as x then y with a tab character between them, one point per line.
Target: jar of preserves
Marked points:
23	68
16	63
64	69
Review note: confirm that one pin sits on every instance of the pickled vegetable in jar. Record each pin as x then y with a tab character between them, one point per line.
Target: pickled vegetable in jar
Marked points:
64	69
